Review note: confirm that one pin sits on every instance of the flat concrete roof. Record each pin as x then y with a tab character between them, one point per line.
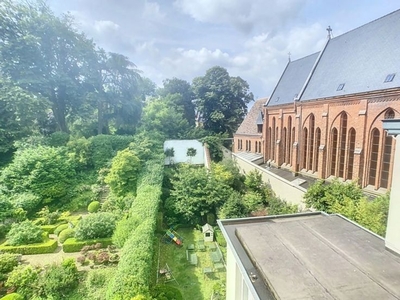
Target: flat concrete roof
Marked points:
314	256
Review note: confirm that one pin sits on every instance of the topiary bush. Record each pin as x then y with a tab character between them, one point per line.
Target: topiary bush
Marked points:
93	207
94	226
24	233
60	228
66	234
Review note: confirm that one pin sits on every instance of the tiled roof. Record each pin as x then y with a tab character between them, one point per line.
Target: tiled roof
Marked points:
249	124
292	80
360	59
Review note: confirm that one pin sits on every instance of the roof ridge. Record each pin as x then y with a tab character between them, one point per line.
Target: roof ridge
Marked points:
370	22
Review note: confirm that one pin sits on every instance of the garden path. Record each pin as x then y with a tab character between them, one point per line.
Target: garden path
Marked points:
46	259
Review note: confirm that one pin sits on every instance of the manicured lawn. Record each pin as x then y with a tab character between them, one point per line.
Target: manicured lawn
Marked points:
190	279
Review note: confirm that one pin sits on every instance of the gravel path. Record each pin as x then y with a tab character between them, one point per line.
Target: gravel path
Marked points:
45	259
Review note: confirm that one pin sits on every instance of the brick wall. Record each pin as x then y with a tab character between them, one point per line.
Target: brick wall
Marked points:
337	137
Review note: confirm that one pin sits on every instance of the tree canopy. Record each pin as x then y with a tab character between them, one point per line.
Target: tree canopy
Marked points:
221	100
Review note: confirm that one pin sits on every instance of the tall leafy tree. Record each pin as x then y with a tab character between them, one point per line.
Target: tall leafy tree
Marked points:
20	112
221	99
44	54
118	90
159	115
185	102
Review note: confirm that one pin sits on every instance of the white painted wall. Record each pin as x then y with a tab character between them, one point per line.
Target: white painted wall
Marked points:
392	240
283	188
181	147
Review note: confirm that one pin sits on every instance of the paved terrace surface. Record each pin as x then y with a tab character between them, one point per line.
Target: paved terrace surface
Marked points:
317	257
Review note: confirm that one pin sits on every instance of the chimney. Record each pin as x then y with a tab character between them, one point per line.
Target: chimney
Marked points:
392	239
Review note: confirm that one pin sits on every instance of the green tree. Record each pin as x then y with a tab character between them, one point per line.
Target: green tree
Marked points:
117	93
43	171
191	152
160	116
123	174
20	112
197	192
46	56
323	196
221	99
169	153
185	102
234	207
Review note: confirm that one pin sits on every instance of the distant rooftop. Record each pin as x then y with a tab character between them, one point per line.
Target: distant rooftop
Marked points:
313	256
252	119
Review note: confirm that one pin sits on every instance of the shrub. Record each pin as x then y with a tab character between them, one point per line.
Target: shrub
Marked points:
57	281
7	263
72	245
60	228
166	292
24	279
100	225
93	207
24	233
123	174
12	296
66	234
48	246
48	217
96	282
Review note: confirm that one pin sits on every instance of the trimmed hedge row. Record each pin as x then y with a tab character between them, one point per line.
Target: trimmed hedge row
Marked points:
48	246
133	276
72	245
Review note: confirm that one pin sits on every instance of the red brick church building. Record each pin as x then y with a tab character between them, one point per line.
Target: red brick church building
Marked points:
324	116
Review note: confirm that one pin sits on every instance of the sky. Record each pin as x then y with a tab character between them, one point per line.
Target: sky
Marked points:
250	38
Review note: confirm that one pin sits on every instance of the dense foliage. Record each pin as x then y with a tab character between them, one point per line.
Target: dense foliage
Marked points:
221	100
93	226
135	267
51	282
348	200
42	171
123	173
24	233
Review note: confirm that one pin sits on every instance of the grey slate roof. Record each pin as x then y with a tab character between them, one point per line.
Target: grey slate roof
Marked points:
361	59
292	80
249	124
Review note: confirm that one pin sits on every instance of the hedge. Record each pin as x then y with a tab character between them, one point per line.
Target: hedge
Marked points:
12	296
48	246
72	245
133	276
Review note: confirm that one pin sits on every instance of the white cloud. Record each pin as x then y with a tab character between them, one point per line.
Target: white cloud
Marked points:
242	14
153	12
105	26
